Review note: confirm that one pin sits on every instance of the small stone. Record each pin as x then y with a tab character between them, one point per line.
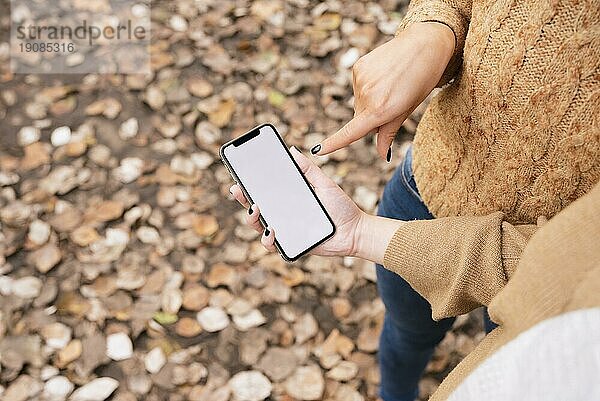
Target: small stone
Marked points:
23	388
107	210
254	318
206	133
139	383
278	363
27	287
328	21
178	23
129	170
171	300
341	307
188	327
199	87
250	386
60	136
129	128
344	371
165	318
48	372
239	307
56	335
17	350
221	116
28	135
346	393
306	384
368	338
69	353
257	277
193	265
100	155
305	327
97	390
148	235
36	155
84	235
119	347
202	160
221	274
155	360
349	57
76	148
155	97
46	257
195	298
196	372
205	225
109	108
57	388
182	165
213	319
169	127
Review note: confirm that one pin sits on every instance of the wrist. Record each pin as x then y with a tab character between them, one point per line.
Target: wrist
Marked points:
441	35
372	236
359	243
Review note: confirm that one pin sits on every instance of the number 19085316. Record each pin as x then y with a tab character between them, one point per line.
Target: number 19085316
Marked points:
44	47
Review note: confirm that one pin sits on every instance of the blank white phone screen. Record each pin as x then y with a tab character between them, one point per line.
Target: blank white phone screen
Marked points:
286	202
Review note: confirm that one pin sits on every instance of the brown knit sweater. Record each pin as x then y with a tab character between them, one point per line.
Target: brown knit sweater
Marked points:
514	138
518	130
559	271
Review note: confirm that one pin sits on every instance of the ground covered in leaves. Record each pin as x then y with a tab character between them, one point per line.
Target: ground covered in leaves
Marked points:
125	271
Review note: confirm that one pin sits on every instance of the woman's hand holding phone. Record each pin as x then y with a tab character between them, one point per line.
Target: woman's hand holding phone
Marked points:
390	82
355	229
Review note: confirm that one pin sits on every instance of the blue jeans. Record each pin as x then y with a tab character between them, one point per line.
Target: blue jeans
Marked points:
409	334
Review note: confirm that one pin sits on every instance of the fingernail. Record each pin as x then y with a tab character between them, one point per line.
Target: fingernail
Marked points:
250	211
389	155
267	232
316	149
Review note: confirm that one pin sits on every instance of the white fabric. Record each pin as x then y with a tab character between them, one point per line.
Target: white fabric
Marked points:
556	360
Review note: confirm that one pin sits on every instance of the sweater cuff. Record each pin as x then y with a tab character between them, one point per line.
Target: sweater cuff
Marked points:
455	263
438	11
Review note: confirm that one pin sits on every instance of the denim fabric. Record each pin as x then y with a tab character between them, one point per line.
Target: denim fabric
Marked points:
409	334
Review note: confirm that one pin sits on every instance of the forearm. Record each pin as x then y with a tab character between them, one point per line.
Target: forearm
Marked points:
373	235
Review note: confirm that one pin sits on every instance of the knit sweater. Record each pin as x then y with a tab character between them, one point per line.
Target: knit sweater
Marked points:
558	272
518	129
512	139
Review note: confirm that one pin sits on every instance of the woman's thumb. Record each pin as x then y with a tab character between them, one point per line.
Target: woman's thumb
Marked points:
311	171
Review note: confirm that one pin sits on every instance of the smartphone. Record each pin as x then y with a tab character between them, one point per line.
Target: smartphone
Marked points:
261	164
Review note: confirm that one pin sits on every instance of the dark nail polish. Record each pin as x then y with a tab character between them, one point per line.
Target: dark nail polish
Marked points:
389	155
250	211
316	149
267	232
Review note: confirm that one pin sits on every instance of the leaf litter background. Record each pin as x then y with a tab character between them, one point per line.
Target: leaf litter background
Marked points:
125	271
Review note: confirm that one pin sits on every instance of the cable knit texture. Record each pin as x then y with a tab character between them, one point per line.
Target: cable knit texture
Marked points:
518	130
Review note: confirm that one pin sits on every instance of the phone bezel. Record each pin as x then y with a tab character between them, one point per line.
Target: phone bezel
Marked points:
254	132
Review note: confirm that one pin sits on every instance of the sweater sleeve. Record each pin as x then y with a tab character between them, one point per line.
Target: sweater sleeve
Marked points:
457	263
456	14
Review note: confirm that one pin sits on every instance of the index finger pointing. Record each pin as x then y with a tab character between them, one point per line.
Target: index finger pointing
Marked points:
355	129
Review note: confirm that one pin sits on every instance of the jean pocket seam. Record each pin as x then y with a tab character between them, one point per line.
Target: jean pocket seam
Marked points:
408	186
